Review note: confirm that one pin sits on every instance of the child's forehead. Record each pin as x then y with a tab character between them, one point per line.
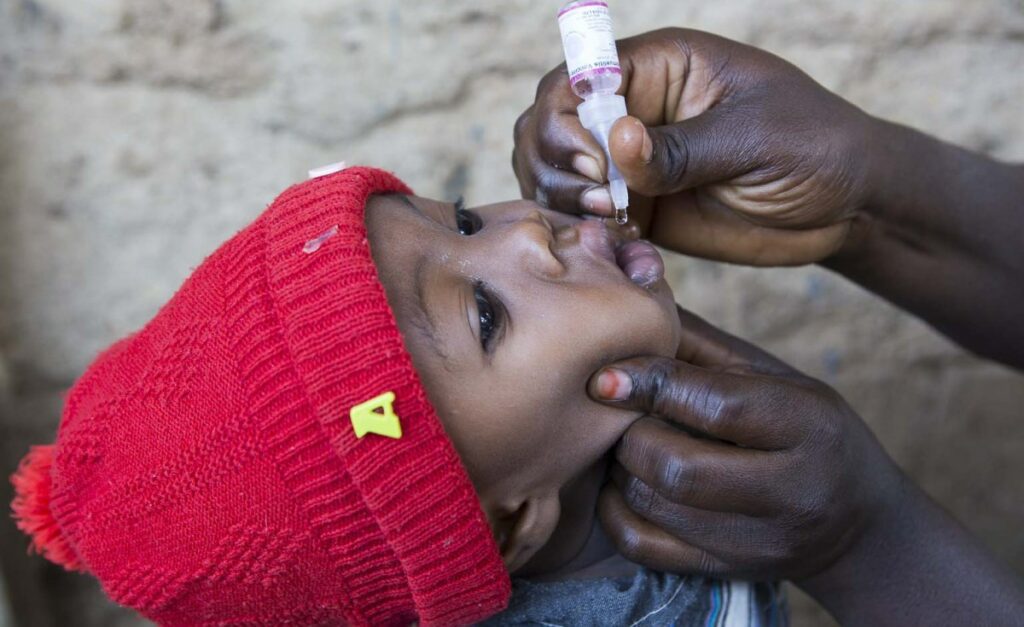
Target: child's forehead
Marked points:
417	206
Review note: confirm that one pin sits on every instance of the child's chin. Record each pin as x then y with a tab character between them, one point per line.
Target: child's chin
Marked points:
672	328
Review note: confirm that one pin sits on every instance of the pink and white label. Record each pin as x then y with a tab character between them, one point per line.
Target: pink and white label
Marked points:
588	40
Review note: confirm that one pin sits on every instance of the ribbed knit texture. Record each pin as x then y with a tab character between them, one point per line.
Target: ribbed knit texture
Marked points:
206	470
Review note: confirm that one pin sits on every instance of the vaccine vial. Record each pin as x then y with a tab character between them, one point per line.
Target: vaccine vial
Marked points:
594	74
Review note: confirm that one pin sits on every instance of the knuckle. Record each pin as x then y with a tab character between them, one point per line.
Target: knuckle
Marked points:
779	543
519	129
656	389
706	564
678	477
552	131
781	550
807	512
552	190
826	429
631	489
553	79
772	395
674	154
783	408
641	498
541	197
716	409
727	408
831	433
545	179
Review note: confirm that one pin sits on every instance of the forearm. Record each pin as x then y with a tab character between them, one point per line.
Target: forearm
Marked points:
918	566
942	236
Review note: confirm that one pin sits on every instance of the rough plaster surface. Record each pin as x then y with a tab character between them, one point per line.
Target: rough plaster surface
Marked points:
135	135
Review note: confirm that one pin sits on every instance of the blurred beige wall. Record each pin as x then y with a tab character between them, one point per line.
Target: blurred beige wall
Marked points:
135	135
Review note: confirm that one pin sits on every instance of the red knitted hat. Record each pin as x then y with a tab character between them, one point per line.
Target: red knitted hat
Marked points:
210	469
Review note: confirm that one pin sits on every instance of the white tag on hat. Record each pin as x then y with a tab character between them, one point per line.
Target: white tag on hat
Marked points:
324	170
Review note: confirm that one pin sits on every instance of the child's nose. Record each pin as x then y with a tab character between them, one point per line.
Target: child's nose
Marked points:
532	237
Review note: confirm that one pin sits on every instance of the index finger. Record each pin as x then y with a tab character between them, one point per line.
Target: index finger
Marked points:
697	472
557	162
560	135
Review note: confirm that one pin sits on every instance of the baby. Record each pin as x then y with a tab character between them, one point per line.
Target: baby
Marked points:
365	408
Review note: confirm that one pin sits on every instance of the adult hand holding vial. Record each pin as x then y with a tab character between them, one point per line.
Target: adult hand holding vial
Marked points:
594	74
729	152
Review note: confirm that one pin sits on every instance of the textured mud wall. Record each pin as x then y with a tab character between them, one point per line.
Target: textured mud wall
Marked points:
135	135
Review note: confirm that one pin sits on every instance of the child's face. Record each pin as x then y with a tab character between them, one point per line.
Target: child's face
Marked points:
507	310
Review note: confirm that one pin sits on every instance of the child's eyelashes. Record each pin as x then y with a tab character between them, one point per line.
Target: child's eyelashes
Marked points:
467	222
490	310
492	316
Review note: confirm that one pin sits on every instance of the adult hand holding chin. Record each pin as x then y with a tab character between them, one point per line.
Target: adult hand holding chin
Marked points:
743	467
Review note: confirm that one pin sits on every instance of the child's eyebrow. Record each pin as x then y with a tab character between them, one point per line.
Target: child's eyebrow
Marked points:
411	205
421	318
422	214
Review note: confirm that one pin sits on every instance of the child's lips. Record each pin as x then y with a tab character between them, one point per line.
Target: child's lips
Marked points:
636	258
641	262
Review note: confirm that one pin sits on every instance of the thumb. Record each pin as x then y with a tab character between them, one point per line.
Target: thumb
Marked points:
725	405
666	159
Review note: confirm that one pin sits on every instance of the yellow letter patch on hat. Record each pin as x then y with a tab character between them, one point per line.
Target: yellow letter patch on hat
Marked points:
376	415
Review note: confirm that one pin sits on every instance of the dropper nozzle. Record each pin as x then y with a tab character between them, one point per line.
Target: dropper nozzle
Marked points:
619	193
597	114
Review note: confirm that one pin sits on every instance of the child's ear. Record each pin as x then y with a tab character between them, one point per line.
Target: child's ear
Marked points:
522	528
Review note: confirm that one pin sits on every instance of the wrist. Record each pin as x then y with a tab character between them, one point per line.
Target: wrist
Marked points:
839	584
877	161
916	565
889	195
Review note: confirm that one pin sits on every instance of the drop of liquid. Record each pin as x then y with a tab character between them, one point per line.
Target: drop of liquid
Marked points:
621	217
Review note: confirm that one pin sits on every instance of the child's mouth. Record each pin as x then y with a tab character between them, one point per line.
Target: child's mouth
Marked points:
638	259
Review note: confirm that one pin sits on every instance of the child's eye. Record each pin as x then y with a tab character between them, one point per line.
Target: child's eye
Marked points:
466	221
490	316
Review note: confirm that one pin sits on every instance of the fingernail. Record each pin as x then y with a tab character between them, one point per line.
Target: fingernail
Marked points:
597	200
587	166
646	146
612	385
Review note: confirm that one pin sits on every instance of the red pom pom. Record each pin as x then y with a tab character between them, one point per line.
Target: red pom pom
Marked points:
31	505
